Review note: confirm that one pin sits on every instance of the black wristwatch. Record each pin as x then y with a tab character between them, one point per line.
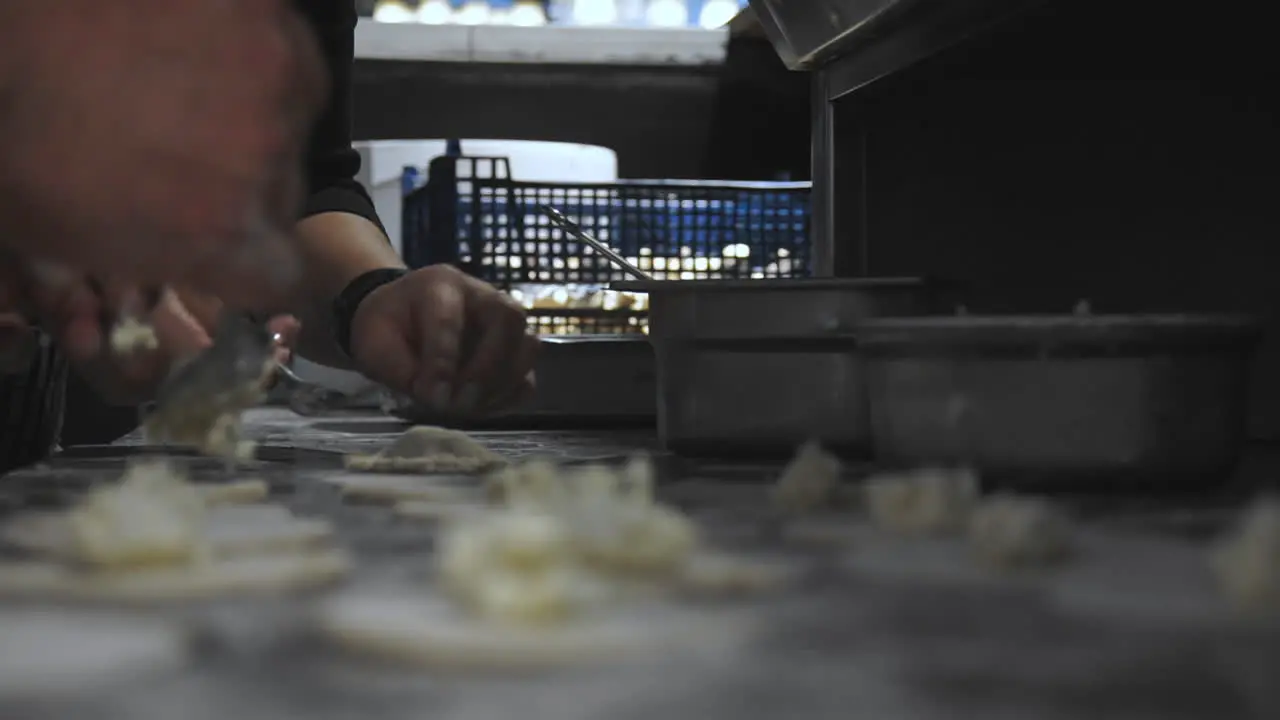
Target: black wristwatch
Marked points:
348	301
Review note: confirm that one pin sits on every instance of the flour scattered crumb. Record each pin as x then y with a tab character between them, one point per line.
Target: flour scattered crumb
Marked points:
924	501
211	424
535	483
1010	532
809	481
1247	561
425	449
131	334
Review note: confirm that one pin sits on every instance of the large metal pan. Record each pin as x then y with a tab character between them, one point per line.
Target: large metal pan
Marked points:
583	380
759	366
1064	401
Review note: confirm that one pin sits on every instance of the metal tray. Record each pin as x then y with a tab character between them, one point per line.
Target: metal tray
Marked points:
583	380
1063	401
760	366
774	308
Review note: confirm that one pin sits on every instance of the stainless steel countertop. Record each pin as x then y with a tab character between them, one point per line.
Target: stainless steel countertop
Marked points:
845	643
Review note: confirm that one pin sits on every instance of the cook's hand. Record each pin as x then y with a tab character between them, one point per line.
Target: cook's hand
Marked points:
157	141
79	316
448	340
206	309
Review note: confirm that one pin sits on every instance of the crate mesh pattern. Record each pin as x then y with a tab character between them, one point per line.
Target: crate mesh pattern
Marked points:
472	214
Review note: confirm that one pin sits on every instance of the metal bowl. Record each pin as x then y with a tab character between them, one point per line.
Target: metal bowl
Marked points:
1062	400
759	366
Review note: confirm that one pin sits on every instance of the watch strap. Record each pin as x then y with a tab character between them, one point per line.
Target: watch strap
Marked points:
348	301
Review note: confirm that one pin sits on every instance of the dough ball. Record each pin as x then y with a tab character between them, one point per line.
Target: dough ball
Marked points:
513	567
1012	532
425	449
533	484
925	501
1247	561
130	334
809	481
647	540
151	516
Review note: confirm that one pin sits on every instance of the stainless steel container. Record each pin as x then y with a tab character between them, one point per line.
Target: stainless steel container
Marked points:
759	366
1062	400
595	376
593	379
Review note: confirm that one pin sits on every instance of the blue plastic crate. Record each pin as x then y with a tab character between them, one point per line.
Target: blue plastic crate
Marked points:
472	214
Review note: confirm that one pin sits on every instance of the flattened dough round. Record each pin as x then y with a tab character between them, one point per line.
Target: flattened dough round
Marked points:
432	511
426	449
728	575
237	492
230	538
47	652
232	530
428	631
392	488
217	578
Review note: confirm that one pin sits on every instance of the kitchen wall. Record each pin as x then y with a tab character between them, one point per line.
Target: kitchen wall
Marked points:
747	119
1130	157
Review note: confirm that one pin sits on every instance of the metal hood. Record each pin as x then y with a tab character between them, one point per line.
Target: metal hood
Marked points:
808	34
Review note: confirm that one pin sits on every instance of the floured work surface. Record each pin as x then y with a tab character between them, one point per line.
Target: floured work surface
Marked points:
882	627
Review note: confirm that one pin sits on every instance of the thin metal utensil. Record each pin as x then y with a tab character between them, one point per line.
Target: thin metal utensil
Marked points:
240	352
305	398
571	227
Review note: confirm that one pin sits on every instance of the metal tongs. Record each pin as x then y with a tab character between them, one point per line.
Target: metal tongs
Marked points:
571	227
240	352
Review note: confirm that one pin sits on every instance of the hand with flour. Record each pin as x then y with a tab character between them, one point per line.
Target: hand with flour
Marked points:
157	141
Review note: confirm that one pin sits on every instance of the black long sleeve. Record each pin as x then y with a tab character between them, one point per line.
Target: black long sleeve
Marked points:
332	163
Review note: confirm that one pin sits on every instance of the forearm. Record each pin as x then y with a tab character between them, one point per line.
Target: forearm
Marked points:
336	247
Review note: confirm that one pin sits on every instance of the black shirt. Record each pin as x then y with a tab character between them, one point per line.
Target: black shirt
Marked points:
32	403
332	163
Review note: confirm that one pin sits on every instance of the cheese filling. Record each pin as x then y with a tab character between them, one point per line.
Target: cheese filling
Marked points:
152	516
514	567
